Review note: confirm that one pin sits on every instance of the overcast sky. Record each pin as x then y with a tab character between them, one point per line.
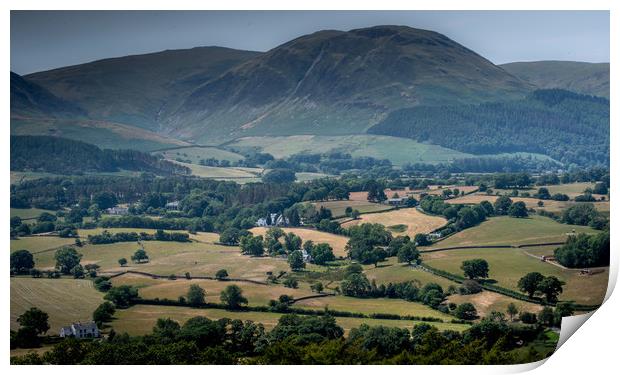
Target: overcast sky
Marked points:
42	40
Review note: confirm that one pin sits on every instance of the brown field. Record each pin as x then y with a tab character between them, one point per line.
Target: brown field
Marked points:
65	300
173	289
549	205
486	301
140	319
415	221
337	242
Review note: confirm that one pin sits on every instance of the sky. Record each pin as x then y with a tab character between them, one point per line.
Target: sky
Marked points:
42	40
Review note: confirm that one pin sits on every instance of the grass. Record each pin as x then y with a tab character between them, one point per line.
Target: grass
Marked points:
37	244
508	265
505	230
257	295
391	271
486	301
220	173
415	221
548	205
140	319
338	207
398	150
337	242
29	213
65	300
175	258
195	154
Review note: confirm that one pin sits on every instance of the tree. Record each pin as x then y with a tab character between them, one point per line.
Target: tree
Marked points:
551	287
296	260
517	209
512	311
466	311
421	239
196	295
355	285
375	192
502	205
475	268
600	188
292	242
103	313
546	317
543	193
322	253
35	319
529	283
252	245
408	253
122	262
77	272
221	274
317	287
233	297
122	296
230	236
279	176
104	200
140	256
66	259
22	261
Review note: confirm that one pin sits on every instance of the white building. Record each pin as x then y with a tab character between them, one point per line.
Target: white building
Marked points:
173	205
117	210
80	330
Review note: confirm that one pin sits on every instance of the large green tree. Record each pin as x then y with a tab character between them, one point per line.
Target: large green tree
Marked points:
475	268
66	259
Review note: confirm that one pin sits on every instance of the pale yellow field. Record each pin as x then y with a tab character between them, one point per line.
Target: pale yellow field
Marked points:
337	242
65	300
486	301
415	221
548	205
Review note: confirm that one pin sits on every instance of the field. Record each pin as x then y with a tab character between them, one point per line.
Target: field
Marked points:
220	173
572	189
415	221
200	259
391	271
257	295
28	213
549	205
486	301
504	230
195	154
338	207
65	300
398	150
508	265
336	242
139	320
36	244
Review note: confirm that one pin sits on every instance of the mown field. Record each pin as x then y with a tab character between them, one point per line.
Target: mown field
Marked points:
65	300
508	265
572	190
338	207
414	220
240	175
505	230
337	242
139	320
391	271
486	302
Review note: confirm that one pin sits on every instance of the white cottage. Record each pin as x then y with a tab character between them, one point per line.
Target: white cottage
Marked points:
80	330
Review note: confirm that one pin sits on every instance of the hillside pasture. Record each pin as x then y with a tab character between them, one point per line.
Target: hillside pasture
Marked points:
338	207
505	230
65	300
29	213
337	242
197	153
548	205
508	265
390	271
221	173
140	319
416	221
486	302
37	244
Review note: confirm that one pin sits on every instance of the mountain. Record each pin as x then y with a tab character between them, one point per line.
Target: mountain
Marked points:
580	77
66	156
337	82
569	127
30	99
138	90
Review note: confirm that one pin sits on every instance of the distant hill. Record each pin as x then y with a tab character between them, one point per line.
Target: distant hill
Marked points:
569	127
138	90
65	156
580	77
336	82
30	99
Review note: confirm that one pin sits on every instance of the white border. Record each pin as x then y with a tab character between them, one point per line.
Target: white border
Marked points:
593	349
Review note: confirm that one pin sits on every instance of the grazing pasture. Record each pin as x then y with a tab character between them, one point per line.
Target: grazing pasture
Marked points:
338	207
548	205
195	154
486	302
337	242
505	230
220	173
416	221
36	244
65	300
508	265
391	271
29	213
140	319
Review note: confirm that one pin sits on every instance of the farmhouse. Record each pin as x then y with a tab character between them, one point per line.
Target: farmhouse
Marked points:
117	210
80	330
173	205
397	201
276	220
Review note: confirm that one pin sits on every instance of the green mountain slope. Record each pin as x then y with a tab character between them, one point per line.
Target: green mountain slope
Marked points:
580	77
568	127
336	82
138	90
30	99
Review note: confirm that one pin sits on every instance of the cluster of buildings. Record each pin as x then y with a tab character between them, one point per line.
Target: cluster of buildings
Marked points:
273	220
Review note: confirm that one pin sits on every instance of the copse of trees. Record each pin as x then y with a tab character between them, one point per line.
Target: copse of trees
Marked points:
106	237
584	250
535	283
67	259
232	297
475	268
22	262
366	243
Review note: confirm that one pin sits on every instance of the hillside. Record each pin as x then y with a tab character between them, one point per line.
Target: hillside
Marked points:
335	82
568	127
580	77
65	156
30	99
138	90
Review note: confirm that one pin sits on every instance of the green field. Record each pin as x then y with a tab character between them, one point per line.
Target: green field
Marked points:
391	271
65	300
220	173
36	244
139	320
29	213
338	207
504	230
398	150
197	153
508	265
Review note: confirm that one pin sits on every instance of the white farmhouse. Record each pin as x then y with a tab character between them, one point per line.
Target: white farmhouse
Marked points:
80	330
